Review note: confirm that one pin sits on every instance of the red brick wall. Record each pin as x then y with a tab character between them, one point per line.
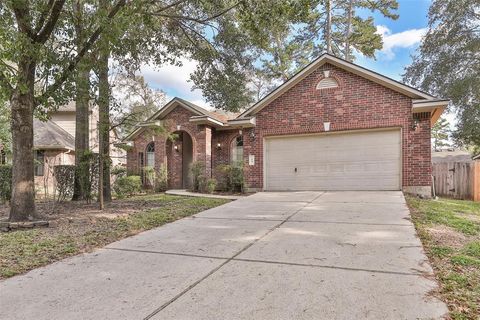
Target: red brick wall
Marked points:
201	140
356	104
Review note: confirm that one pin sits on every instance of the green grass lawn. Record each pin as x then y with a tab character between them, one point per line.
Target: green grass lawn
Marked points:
24	250
450	233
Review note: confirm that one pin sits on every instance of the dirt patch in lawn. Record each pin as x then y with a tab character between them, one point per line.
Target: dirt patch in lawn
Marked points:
77	227
446	236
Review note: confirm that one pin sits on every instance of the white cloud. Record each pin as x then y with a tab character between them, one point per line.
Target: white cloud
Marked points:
404	39
174	80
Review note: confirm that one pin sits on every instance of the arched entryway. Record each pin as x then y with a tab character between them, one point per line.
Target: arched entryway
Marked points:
179	153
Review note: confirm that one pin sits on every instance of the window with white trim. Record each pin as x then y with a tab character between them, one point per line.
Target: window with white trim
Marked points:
236	150
150	152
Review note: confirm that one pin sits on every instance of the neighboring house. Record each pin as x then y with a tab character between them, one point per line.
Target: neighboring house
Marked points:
54	144
332	126
451	156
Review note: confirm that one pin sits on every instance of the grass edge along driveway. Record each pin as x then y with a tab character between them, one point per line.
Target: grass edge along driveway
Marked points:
450	233
24	250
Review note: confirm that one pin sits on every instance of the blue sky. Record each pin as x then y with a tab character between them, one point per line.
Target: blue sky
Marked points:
401	38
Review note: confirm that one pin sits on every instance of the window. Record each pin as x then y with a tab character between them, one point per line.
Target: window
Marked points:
39	160
3	157
150	155
237	150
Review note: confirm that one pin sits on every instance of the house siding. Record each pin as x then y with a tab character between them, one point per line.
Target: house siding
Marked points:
356	104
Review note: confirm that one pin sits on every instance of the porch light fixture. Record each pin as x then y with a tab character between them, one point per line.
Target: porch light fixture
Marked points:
179	127
415	124
219	146
175	147
252	135
240	132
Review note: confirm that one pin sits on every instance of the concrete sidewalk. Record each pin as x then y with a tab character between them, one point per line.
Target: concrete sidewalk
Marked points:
296	255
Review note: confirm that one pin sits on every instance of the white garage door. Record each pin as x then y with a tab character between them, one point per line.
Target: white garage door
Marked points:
347	161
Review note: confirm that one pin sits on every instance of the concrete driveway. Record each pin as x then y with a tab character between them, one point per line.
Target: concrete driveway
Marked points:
295	255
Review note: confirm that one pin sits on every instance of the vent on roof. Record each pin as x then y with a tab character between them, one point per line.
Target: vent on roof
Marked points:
327	83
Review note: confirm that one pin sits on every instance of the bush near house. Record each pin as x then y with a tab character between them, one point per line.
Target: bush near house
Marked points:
64	176
127	186
197	169
232	177
5	182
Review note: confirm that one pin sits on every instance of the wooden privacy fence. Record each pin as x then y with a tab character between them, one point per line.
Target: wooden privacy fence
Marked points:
458	180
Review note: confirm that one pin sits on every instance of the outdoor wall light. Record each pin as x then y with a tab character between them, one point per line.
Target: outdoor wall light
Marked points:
175	147
219	146
240	132
252	135
415	124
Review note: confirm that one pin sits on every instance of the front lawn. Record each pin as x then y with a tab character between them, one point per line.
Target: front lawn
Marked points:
450	233
79	227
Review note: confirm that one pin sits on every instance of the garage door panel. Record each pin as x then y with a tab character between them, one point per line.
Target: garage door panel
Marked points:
349	161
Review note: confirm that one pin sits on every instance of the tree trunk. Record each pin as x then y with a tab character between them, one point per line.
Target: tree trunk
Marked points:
82	99
104	124
348	30
23	187
82	129
328	26
104	119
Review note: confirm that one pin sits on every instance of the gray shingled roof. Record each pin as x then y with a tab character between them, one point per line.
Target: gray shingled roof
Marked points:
48	135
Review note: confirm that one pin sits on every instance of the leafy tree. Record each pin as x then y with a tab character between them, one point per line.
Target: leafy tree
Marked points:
36	64
133	100
337	28
41	52
440	132
448	63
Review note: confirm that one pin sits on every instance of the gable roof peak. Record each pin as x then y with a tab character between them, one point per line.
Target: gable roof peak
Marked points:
342	64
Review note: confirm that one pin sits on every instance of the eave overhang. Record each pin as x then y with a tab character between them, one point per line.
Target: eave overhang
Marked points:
434	107
206	120
240	123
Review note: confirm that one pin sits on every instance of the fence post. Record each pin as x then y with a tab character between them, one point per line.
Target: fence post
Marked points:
476	180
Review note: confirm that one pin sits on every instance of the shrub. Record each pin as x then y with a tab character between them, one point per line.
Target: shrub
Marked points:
118	171
197	169
210	185
149	175
161	181
127	185
5	182
64	176
232	177
87	172
202	183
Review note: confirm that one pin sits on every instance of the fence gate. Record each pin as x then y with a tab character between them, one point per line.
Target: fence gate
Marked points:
457	180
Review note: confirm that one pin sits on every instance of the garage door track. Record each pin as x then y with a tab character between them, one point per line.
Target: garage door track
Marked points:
295	255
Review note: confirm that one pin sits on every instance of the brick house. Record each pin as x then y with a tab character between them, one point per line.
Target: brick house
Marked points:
332	126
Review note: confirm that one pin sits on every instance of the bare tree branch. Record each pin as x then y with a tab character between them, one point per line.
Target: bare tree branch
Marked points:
22	15
43	16
48	27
